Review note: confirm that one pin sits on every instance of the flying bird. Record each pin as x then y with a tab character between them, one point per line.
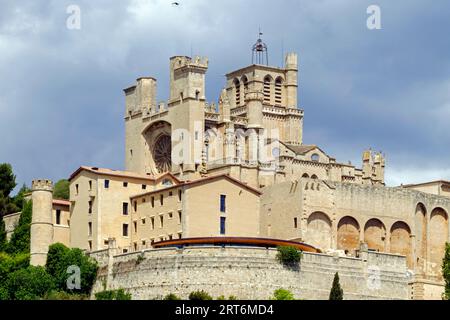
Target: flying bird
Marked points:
175	3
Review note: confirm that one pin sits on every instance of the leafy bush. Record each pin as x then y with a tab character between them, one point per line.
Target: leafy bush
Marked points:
446	271
118	294
9	264
31	283
171	296
199	295
283	294
288	255
60	258
61	295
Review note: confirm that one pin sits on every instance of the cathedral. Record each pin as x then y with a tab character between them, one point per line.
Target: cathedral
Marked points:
239	168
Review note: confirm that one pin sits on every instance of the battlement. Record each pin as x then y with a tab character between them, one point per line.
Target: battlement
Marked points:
184	61
42	185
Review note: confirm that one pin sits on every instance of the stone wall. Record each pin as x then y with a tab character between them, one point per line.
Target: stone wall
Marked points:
250	273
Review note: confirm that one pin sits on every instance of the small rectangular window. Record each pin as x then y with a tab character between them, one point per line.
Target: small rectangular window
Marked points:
90	207
222	203
125	208
90	245
90	229
170	237
144	187
170	193
161	199
161	221
143	221
125	230
170	215
90	185
295	223
144	242
152	220
58	216
222	225
106	184
135	206
125	184
76	189
179	216
179	195
153	202
135	226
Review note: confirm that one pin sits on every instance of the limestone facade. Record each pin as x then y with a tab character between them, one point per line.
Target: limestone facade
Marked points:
240	168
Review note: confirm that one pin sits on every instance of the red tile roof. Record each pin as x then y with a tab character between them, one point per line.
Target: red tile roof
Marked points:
202	180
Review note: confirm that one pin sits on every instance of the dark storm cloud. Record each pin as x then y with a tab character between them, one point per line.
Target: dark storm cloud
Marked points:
61	97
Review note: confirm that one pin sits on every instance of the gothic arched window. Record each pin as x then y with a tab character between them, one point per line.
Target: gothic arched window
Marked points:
278	91
266	89
237	88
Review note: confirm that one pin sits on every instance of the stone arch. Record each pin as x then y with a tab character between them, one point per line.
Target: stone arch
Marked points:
158	136
375	235
318	232
305	175
348	234
400	240
420	231
437	238
244	81
314	177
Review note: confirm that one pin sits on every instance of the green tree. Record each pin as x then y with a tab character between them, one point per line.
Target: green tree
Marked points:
29	283
7	179
20	239
283	294
336	292
61	189
19	199
7	206
60	258
446	271
3	239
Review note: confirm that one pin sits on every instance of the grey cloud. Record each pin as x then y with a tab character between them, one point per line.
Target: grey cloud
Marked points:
61	97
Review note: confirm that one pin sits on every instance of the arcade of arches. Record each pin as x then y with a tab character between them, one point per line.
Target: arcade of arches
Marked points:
413	240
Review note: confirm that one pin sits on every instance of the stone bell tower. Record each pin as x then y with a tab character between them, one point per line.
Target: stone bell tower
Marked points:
41	221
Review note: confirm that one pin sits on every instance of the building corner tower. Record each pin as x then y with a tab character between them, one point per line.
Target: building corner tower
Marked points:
41	221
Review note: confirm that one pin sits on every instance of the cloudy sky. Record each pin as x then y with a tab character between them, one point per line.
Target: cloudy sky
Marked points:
61	100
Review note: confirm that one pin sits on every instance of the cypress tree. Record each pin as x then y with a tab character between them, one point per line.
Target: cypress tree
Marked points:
336	292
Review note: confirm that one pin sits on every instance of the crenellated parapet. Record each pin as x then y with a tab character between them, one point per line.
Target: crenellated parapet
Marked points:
42	185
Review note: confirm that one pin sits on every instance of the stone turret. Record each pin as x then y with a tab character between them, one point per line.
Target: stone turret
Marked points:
291	66
41	222
187	78
379	164
254	100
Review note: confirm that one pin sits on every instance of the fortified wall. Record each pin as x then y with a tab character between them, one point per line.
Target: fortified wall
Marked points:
249	273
